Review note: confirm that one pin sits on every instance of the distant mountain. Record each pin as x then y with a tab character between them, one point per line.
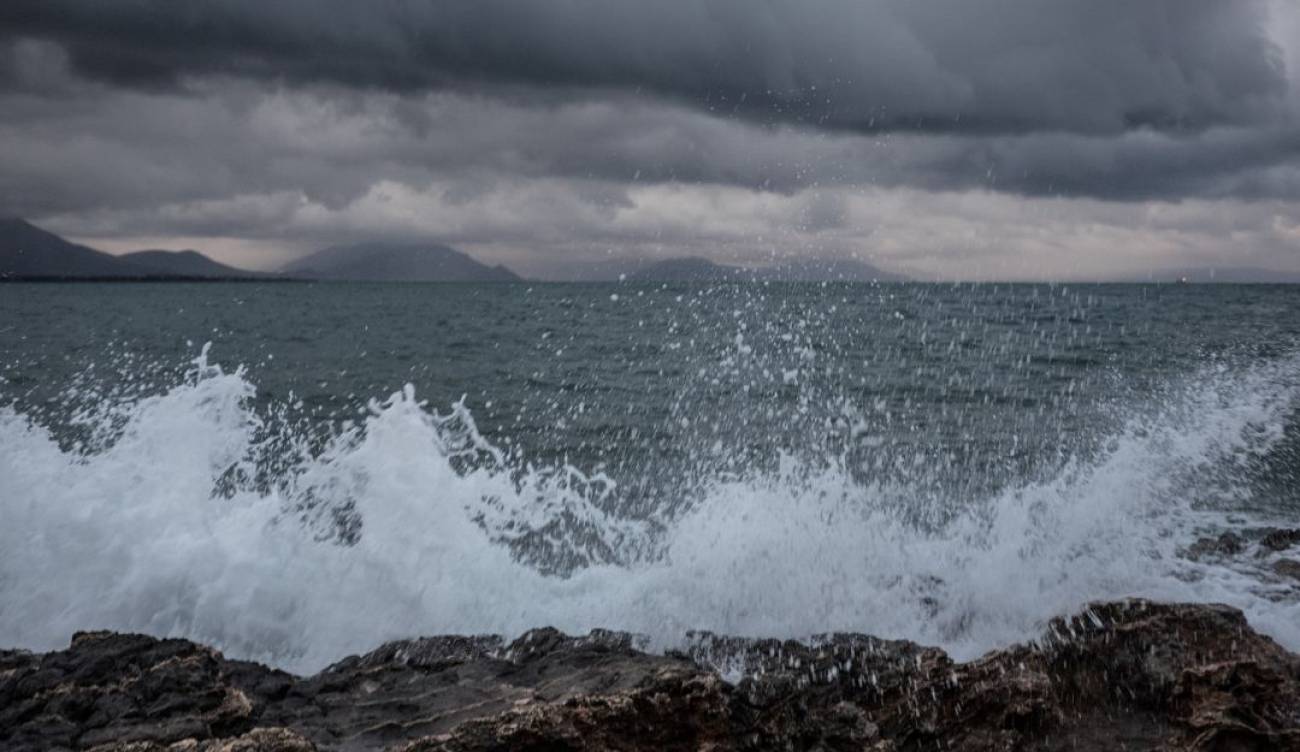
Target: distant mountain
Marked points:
184	264
695	269
28	252
397	262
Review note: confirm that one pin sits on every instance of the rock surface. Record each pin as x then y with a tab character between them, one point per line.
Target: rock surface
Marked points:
1263	542
1126	675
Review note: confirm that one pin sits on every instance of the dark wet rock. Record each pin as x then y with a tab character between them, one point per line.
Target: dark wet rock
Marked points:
1127	675
118	688
1287	568
1280	540
257	740
1227	544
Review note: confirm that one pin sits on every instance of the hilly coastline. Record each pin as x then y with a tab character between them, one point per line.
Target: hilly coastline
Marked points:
395	262
29	253
187	263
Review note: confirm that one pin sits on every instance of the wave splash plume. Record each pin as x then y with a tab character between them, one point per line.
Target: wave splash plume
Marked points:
192	513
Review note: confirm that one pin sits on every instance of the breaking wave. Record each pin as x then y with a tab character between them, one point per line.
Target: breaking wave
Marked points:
191	513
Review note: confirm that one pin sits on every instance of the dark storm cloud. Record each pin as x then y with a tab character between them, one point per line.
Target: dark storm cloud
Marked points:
955	66
963	136
97	149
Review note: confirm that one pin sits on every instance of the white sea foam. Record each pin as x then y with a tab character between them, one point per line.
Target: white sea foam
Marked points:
149	533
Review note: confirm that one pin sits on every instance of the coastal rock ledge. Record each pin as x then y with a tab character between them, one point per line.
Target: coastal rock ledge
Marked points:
1130	675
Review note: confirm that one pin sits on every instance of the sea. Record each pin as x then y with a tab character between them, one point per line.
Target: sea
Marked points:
294	472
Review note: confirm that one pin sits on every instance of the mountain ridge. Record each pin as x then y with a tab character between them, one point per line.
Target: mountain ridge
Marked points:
29	252
380	262
186	263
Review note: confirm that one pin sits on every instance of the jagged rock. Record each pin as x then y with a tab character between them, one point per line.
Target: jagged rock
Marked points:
257	740
1227	544
118	688
1287	568
1132	674
675	708
1280	540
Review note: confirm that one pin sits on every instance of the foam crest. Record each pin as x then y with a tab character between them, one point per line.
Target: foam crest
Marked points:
409	522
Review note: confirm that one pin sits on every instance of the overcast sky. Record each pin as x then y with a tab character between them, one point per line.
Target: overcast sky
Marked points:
1061	139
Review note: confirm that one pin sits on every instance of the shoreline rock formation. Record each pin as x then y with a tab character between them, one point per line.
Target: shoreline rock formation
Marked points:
1123	675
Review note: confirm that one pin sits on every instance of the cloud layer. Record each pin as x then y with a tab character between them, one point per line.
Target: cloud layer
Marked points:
1098	66
286	122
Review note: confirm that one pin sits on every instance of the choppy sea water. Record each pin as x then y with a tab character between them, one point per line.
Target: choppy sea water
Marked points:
295	472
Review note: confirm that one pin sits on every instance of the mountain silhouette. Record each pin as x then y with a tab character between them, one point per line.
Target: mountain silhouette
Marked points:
28	252
184	264
397	262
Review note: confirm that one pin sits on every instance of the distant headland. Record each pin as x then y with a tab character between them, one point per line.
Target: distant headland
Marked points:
30	253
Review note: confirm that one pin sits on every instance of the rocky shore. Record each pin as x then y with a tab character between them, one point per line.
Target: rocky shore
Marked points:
1125	675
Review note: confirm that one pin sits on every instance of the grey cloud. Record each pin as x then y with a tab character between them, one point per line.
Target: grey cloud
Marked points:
954	66
543	226
539	131
110	149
